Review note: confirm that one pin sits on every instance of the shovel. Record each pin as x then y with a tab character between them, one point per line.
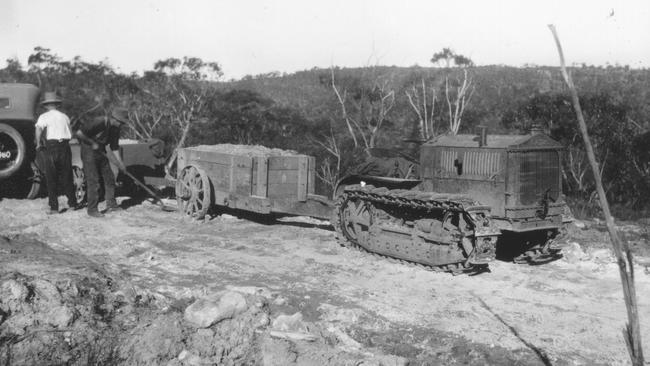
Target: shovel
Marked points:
157	199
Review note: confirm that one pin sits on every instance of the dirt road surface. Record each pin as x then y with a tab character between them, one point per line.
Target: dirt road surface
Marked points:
569	312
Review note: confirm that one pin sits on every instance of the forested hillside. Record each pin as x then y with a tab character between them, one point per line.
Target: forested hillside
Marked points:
336	114
616	101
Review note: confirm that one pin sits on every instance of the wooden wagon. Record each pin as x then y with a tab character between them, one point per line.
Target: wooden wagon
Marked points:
251	178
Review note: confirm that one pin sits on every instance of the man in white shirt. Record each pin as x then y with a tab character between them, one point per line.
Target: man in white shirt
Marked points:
58	167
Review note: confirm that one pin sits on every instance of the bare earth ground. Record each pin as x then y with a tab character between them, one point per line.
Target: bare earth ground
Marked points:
79	290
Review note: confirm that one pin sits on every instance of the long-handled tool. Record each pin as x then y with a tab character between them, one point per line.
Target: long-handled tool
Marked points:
120	165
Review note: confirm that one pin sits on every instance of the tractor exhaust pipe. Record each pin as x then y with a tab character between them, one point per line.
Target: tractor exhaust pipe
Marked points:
536	129
482	136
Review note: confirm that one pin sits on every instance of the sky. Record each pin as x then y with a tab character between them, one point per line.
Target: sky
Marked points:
260	36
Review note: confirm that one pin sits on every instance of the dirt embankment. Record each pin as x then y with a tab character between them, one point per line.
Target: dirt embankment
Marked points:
149	288
70	311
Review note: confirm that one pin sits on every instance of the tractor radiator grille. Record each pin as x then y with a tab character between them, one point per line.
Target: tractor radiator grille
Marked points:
539	174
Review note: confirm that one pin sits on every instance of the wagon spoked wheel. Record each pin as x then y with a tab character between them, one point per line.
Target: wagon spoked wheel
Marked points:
79	182
193	192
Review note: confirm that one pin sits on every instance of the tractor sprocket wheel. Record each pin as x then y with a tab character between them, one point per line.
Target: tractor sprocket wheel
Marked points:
356	219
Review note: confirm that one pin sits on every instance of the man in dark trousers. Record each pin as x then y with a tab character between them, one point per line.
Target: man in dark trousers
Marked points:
58	161
95	134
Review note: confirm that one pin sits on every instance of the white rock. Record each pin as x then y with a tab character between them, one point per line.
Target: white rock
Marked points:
601	255
289	323
47	291
280	301
294	336
579	224
573	253
12	290
347	342
332	313
188	358
204	312
263	320
183	355
60	316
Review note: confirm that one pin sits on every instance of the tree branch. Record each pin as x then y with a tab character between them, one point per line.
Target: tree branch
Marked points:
632	332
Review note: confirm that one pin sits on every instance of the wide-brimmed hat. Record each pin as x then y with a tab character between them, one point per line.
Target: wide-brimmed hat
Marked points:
50	98
120	114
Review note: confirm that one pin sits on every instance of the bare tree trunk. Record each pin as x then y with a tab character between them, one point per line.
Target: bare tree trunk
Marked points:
425	116
345	113
632	332
456	108
186	129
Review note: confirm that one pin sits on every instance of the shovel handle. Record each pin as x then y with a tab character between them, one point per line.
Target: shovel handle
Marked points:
122	168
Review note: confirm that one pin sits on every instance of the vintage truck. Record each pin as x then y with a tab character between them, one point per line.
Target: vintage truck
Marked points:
19	174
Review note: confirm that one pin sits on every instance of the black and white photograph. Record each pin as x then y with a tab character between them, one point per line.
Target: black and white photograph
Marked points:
324	182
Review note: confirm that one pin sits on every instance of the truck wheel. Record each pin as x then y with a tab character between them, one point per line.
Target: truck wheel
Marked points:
12	151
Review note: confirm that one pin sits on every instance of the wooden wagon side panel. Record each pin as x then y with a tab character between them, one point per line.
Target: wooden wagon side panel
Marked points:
227	172
288	177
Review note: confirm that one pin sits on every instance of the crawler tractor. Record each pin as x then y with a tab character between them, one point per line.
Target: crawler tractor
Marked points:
472	193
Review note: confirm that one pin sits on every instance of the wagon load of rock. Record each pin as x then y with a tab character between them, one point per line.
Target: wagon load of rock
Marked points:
252	178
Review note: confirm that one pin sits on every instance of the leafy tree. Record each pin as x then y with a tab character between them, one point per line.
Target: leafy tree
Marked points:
171	98
86	88
245	117
449	57
13	72
189	68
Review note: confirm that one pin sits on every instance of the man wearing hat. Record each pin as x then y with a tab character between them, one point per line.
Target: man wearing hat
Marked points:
58	166
95	135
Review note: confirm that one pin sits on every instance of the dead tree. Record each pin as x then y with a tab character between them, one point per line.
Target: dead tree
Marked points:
144	127
365	113
419	101
349	122
328	172
632	331
457	100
